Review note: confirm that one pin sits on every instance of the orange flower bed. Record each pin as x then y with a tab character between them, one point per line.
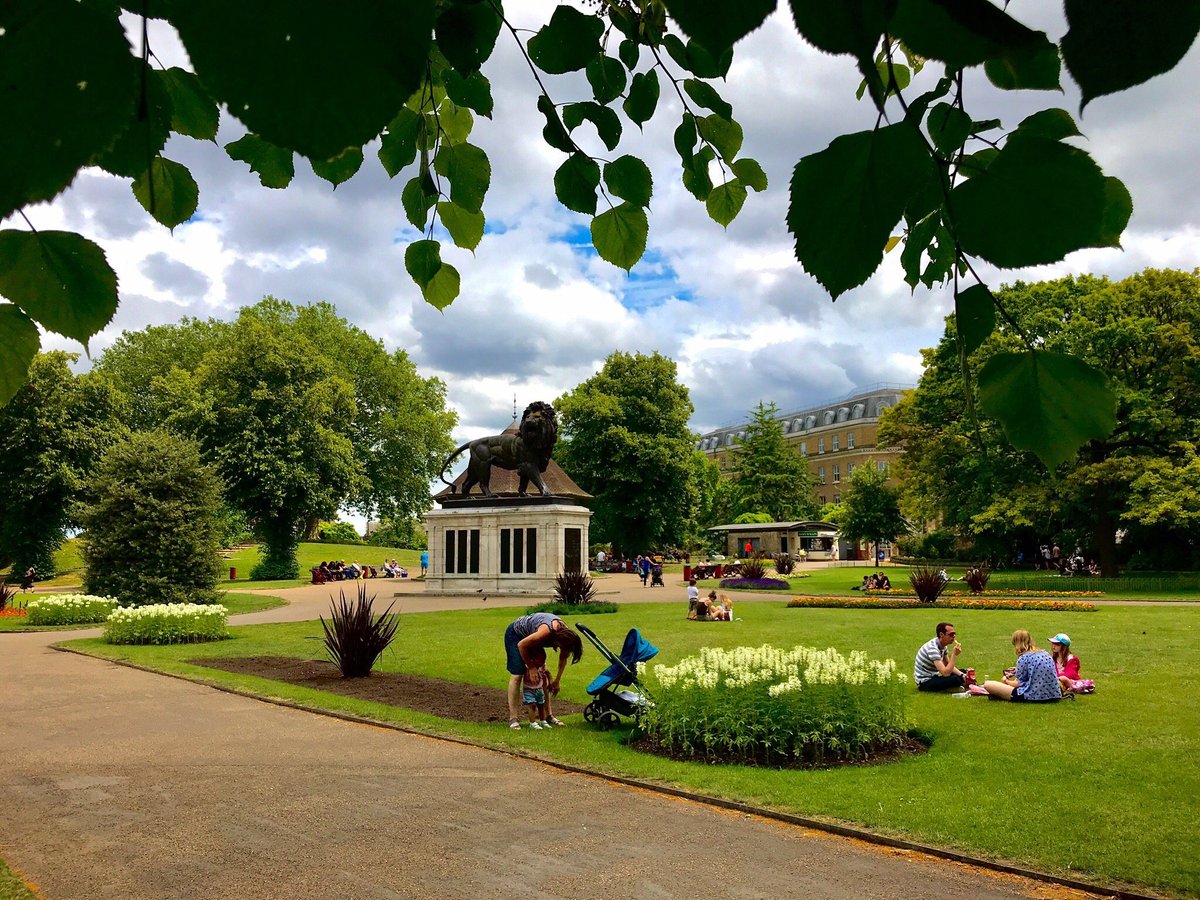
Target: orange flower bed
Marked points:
944	602
909	593
11	613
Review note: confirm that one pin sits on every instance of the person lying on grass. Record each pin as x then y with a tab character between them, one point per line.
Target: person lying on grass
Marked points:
522	640
1035	679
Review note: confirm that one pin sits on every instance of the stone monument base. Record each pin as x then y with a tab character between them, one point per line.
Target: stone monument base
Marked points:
505	547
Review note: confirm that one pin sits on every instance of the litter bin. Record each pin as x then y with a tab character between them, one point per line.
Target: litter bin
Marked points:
720	573
232	574
687	573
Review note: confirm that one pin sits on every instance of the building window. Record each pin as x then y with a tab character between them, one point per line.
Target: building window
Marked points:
837	474
518	551
849	440
837	498
836	442
850	470
462	551
804	448
882	467
820	445
823	501
820	474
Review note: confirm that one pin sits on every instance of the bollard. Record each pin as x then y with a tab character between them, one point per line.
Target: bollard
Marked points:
232	574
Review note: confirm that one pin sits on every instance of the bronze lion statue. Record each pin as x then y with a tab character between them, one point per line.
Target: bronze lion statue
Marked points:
527	452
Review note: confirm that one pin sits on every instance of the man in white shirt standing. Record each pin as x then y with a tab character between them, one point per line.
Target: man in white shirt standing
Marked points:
936	668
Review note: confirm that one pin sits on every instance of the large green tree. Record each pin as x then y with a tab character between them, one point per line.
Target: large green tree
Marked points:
53	431
624	438
952	184
267	411
871	508
768	474
397	421
152	521
961	468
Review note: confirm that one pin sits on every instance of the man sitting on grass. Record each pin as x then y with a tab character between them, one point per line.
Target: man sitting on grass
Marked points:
935	668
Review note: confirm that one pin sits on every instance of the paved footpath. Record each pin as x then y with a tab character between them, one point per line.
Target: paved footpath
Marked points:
118	783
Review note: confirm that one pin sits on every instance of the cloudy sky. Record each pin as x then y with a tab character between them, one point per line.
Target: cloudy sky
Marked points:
539	311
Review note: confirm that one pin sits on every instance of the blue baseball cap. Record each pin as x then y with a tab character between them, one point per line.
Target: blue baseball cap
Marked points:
1061	638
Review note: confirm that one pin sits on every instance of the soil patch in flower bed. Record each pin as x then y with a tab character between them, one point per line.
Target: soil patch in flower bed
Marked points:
446	699
911	745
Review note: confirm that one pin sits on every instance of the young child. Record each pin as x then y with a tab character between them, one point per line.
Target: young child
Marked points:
536	695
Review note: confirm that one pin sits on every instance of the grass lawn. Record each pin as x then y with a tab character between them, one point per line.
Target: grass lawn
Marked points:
1103	787
236	604
309	555
11	886
1147	585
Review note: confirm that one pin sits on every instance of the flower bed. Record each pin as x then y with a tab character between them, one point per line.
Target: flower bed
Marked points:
68	609
754	584
905	592
770	706
167	623
878	601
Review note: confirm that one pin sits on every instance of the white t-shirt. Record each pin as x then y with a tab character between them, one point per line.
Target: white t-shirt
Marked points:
925	666
693	593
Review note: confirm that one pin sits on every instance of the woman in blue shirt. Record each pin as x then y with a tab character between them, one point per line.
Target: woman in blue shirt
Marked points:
1036	678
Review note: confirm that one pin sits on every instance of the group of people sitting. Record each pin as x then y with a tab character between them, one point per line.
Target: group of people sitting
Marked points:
337	570
709	609
875	581
1039	676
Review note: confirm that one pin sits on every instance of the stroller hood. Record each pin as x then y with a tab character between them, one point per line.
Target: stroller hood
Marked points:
624	669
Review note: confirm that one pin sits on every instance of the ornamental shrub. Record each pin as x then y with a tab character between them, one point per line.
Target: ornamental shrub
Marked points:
338	533
771	706
784	564
153	524
354	636
574	588
167	623
68	609
754	569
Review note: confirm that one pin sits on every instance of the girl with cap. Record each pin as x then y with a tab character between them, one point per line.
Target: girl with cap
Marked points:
1065	662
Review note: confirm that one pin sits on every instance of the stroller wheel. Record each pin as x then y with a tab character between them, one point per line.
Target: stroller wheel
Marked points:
589	713
607	720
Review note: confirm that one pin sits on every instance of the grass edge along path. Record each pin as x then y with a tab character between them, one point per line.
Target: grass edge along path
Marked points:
993	784
14	887
829	826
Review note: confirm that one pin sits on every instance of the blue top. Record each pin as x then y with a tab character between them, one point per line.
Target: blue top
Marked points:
425	558
1037	677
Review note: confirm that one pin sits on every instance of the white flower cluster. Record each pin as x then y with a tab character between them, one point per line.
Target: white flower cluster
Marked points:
69	609
782	670
167	623
169	610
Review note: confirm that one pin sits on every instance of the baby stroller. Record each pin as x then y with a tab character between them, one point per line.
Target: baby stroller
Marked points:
611	696
656	579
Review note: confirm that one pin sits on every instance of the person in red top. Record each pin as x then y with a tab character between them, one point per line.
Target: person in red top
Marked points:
1065	662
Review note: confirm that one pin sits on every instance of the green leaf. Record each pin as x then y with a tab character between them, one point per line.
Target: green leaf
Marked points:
899	73
341	168
846	199
704	94
145	135
949	128
465	227
1054	124
607	78
469	171
974	316
750	173
718	24
554	133
21	342
455	121
846	26
60	279
64	107
963	32
466	34
398	148
725	202
168	192
629	53
916	243
703	64
677	50
416	202
695	173
261	60
1038	201
1036	67
608	124
619	235
273	164
977	163
639	106
686	136
1114	44
1049	404
439	282
629	178
568	42
193	111
1118	207
473	92
725	135
575	183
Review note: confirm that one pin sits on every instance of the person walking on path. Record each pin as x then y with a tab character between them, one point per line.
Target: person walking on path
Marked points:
525	640
424	562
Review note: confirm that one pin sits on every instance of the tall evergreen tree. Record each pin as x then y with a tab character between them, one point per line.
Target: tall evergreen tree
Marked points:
871	508
770	476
